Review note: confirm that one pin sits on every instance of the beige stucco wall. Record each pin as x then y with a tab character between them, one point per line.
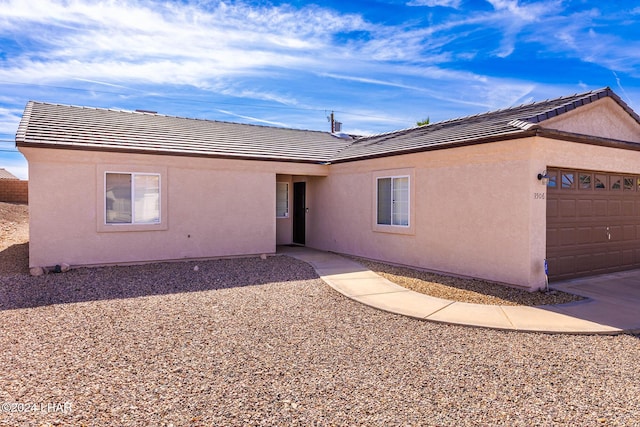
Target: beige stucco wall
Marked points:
214	207
604	118
478	211
472	212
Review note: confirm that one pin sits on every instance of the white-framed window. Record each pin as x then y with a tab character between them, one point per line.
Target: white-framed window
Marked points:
393	201
282	200
132	198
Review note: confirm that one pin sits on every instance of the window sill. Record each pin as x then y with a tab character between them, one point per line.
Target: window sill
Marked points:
126	228
394	229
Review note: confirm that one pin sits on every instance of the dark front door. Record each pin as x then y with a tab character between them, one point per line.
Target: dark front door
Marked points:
299	212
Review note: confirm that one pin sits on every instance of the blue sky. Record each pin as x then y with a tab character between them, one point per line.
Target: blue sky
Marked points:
380	65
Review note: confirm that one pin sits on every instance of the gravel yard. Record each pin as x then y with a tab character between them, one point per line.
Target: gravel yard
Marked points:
463	289
265	342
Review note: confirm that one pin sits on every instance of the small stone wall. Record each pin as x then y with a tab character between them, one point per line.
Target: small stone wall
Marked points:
14	191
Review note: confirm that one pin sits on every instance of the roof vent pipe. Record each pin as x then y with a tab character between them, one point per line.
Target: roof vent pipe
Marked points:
336	127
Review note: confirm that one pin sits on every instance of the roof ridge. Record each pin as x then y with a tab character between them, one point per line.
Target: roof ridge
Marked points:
142	131
511	122
148	113
578	100
68	127
605	90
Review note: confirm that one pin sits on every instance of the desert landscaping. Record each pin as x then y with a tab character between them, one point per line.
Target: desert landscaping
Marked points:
249	341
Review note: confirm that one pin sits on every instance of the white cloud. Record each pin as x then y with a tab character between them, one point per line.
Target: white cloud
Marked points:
368	119
140	47
583	35
9	121
371	81
199	43
511	18
140	36
433	3
526	13
232	89
253	119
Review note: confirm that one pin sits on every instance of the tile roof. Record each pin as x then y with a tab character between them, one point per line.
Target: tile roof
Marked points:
508	123
5	174
63	126
86	128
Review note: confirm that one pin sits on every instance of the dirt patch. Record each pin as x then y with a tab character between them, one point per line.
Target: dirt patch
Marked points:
463	289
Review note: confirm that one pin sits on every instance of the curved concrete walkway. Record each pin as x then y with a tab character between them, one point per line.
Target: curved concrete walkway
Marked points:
590	316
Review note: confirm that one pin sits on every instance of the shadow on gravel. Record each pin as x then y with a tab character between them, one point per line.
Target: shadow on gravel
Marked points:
15	259
105	283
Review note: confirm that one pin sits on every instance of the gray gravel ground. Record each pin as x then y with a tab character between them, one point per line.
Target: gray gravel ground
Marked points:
474	291
265	342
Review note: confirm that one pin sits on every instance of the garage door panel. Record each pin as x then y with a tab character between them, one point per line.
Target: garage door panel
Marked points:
552	237
567	208
593	229
600	234
584	235
614	257
599	260
552	208
600	207
583	262
617	233
584	208
564	265
614	208
629	232
568	236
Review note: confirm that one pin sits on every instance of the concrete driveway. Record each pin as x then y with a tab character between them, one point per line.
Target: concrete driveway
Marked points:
598	314
613	299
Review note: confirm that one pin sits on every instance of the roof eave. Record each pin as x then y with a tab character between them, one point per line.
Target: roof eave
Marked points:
166	153
589	98
536	131
588	139
506	137
24	122
623	104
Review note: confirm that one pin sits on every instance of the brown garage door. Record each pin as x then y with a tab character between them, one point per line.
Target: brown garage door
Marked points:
593	223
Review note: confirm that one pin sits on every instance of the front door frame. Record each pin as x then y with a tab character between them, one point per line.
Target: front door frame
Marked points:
299	212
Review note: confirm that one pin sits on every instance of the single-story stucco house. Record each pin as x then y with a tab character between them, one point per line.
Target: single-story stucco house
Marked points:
488	196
